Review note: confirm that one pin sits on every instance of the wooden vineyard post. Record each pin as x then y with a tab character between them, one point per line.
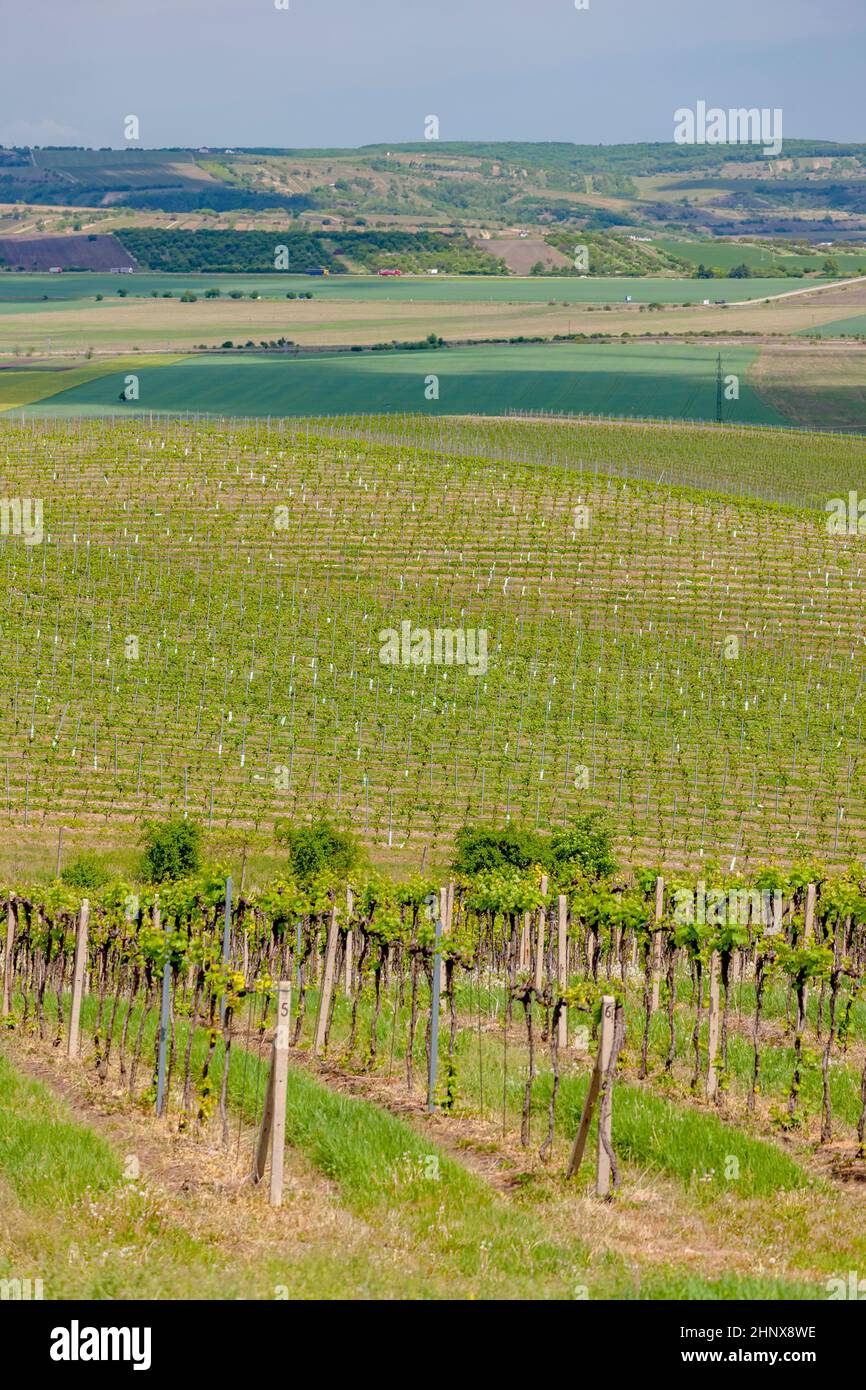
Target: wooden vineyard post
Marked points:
602	1168
272	1135
327	985
562	965
713	1041
808	928
809	921
78	973
281	1079
446	907
657	943
777	914
523	958
602	1061
7	955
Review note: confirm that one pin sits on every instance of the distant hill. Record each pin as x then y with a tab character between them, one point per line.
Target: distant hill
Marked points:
174	180
498	187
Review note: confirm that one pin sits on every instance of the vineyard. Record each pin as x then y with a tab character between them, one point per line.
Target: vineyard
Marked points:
199	624
735	1070
432	763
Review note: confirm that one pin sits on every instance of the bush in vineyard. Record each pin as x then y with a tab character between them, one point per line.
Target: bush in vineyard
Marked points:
86	871
172	850
318	848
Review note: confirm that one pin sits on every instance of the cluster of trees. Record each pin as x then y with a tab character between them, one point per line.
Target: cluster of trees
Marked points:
225	252
233	252
585	845
415	345
709	272
766	272
610	254
415	252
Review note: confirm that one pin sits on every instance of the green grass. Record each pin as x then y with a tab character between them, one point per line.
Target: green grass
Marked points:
463	1237
455	1235
650	1131
595	379
837	328
692	1145
727	254
45	1158
71	1220
21	289
25	385
776	1063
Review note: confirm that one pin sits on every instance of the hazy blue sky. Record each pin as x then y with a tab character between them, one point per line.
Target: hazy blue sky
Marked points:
350	72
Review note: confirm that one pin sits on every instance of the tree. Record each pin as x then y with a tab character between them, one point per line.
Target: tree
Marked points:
172	849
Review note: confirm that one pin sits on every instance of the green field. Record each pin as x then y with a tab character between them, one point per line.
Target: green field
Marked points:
727	254
21	290
589	379
838	328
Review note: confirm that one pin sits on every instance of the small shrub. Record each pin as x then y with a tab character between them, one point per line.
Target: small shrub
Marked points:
172	849
478	848
585	841
317	847
85	871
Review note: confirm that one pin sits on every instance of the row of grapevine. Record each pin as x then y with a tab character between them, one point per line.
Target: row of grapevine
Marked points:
524	963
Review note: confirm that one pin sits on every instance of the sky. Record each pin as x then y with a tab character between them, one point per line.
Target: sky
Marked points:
354	72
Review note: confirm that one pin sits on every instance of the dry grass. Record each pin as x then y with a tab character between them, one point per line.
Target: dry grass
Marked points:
168	325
